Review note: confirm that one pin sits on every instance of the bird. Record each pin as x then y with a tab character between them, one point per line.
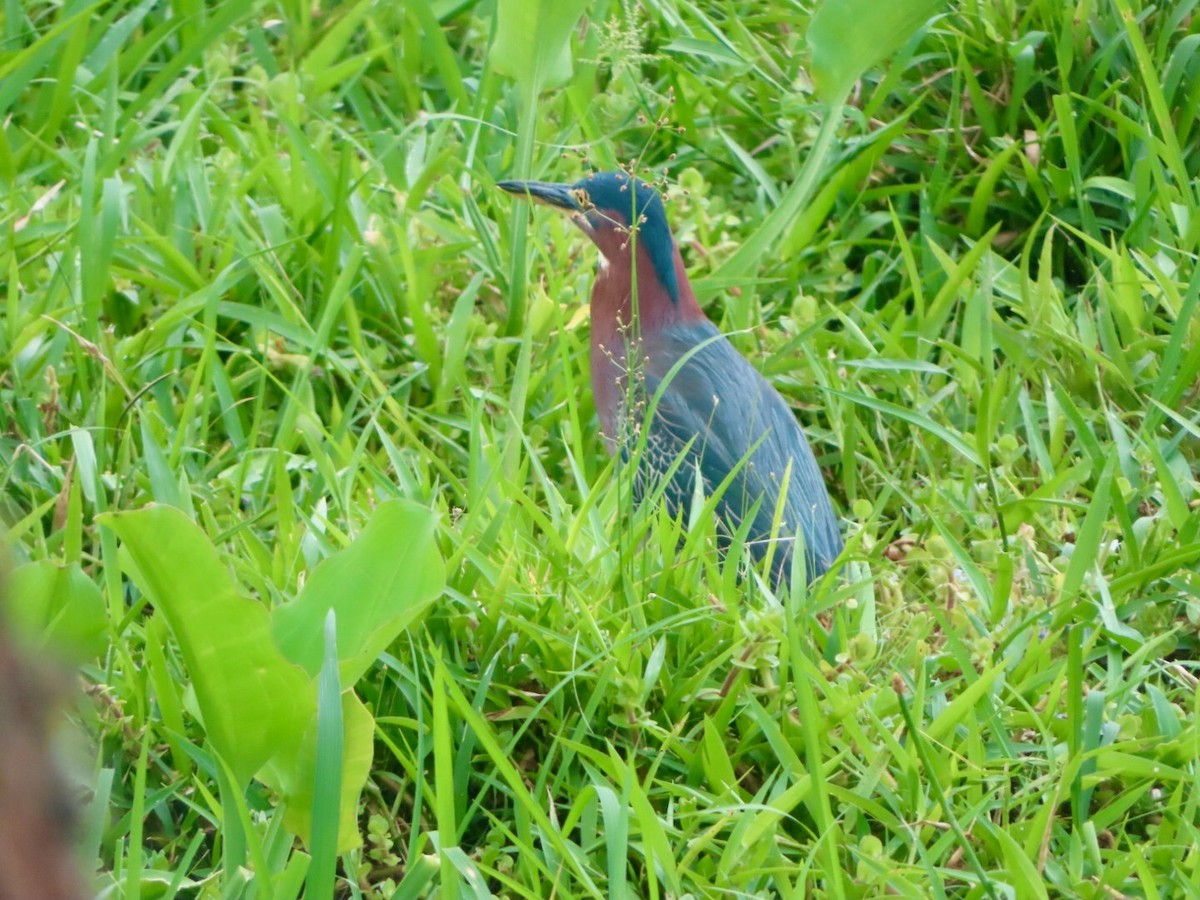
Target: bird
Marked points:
673	393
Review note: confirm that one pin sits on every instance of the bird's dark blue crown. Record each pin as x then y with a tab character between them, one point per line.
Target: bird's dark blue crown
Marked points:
632	199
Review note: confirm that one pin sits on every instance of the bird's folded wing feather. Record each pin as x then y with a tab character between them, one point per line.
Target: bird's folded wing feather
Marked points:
717	398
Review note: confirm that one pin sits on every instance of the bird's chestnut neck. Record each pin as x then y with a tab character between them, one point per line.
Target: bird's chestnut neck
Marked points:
629	295
630	306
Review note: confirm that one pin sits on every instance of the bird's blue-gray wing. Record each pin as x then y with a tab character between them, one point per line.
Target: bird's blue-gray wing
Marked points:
716	405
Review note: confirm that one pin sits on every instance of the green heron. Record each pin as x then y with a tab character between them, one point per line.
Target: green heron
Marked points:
710	412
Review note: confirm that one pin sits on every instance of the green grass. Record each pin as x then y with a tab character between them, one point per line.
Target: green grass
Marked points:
253	266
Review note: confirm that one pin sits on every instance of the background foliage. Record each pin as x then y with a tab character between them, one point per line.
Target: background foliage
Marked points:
253	267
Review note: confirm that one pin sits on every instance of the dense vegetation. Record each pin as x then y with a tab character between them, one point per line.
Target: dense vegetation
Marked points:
254	268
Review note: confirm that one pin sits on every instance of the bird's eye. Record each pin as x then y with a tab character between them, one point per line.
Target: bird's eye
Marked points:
580	196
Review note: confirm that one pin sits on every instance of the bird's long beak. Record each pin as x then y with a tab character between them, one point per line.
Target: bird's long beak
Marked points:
546	193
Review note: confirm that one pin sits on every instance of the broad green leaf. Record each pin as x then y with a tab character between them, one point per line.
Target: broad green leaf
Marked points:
847	37
58	606
533	42
253	701
378	586
293	774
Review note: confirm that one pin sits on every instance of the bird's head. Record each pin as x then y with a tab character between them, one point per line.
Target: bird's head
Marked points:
618	212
